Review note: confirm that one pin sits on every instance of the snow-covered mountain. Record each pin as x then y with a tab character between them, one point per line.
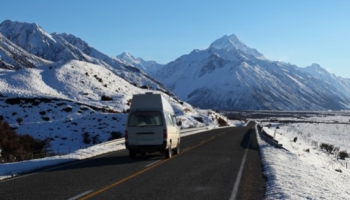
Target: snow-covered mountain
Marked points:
65	102
341	84
149	67
56	86
231	43
231	76
14	57
65	47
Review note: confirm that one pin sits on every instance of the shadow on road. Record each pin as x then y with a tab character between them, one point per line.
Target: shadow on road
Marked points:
250	137
111	159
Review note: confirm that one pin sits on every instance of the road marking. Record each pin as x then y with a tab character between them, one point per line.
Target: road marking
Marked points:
153	163
140	172
81	195
239	176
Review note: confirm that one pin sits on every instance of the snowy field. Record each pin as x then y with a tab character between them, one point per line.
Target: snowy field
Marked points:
304	170
300	171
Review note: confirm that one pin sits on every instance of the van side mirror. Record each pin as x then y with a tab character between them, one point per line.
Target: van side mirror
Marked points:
179	123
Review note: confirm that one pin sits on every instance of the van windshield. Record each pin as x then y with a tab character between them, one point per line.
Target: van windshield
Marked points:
145	118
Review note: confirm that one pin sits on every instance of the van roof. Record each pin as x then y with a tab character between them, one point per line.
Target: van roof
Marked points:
150	101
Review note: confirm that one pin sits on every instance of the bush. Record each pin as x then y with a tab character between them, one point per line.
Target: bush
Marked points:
329	148
199	119
18	147
19	120
115	135
96	139
67	109
86	138
295	139
343	154
46	118
323	146
222	122
106	98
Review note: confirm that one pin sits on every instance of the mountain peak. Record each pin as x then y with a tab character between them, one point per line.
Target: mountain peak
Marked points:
10	27
149	67
25	35
231	42
317	71
126	55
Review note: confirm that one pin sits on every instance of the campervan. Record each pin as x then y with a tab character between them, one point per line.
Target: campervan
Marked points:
151	126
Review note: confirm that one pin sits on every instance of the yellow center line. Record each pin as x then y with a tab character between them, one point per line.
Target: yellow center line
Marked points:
142	171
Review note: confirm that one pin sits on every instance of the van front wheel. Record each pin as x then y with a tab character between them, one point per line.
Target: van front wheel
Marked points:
168	152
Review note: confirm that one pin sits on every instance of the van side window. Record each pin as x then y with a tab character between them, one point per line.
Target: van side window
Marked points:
174	119
168	119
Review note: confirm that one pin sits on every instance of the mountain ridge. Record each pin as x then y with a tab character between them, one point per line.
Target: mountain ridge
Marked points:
227	78
149	67
225	74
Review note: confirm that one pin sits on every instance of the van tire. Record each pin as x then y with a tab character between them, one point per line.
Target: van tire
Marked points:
132	154
168	152
177	149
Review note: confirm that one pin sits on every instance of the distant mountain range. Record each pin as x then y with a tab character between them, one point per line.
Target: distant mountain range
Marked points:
226	76
149	67
231	76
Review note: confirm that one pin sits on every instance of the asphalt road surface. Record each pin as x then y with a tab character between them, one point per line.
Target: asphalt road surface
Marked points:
217	164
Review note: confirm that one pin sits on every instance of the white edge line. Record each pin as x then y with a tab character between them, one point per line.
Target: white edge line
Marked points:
238	179
81	195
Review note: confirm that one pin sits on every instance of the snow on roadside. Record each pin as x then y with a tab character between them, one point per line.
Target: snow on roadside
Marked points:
8	170
304	171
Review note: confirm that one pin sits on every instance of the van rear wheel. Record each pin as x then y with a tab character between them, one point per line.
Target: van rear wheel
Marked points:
168	152
177	150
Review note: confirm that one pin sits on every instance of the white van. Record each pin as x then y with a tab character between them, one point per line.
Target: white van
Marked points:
151	126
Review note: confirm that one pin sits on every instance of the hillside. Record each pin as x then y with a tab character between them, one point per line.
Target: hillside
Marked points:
56	86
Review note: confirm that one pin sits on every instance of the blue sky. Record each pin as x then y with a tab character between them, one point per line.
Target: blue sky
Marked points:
300	32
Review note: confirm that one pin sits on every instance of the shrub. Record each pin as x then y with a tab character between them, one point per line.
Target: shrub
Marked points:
86	138
329	148
222	122
46	118
129	102
96	139
323	146
115	135
67	109
18	147
199	119
19	120
295	139
343	154
106	98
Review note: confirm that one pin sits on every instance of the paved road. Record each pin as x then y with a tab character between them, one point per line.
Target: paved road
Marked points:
216	164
